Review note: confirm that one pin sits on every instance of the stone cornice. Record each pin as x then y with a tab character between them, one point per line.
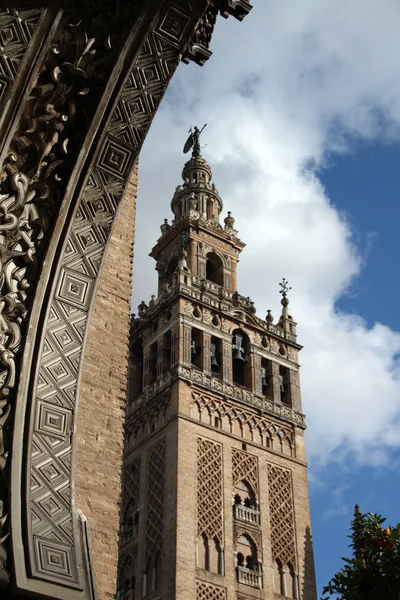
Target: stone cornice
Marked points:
214	385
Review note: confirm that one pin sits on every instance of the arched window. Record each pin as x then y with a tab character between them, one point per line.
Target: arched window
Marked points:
241	367
204	553
285	385
127	580
196	351
168	275
215	557
266	377
214	269
216	355
153	363
247	563
245	506
135	384
279	578
130	523
156	573
291	582
166	364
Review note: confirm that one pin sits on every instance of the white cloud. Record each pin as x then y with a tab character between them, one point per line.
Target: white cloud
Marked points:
292	83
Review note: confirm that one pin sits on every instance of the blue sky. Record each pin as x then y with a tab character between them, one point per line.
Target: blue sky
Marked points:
302	101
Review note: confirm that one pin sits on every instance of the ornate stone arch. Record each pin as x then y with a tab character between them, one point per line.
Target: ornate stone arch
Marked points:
81	84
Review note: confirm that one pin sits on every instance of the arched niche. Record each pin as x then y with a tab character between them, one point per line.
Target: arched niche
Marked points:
214	268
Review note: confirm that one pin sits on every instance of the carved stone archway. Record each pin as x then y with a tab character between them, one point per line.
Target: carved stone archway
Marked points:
80	82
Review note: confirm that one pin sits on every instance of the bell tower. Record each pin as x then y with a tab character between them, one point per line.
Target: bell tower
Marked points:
215	503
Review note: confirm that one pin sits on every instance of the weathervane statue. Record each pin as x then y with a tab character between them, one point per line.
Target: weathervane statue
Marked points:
194	141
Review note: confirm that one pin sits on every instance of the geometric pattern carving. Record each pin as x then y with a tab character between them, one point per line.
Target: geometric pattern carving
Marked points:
281	512
245	468
243	420
208	591
209	490
84	249
17	26
54	116
155	501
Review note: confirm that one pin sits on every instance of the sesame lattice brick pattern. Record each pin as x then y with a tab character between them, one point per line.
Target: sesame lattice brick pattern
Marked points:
209	489
245	468
207	591
155	500
281	515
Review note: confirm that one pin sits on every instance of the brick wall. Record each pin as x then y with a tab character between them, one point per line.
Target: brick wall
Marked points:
102	398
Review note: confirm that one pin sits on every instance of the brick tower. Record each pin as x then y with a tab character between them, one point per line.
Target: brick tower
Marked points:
215	503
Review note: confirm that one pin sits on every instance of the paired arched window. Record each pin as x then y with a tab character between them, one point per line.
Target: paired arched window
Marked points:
209	555
246	554
285	580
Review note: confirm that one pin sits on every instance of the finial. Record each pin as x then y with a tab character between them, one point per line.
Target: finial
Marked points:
284	291
193	141
269	318
229	221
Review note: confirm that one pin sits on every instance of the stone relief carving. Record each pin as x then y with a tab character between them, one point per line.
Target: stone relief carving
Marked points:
34	175
245	423
17	25
54	112
208	591
209	490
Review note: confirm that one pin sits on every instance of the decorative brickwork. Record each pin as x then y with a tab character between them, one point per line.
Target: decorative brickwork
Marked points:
209	490
148	415
281	515
245	421
130	495
207	591
155	501
245	468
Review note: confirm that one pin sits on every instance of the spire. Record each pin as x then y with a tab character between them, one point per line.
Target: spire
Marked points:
286	320
198	197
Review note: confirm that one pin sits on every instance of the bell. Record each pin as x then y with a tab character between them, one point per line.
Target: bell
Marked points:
264	381
237	354
214	361
194	349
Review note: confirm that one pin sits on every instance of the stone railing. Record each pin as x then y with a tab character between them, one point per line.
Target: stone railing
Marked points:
127	594
128	534
249	577
246	514
152	390
215	296
243	395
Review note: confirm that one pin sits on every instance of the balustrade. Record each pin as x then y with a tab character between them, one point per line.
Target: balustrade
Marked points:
249	577
246	514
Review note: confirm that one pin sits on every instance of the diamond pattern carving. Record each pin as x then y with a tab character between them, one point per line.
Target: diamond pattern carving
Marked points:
208	591
55	116
209	490
281	515
245	468
155	501
56	559
17	26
